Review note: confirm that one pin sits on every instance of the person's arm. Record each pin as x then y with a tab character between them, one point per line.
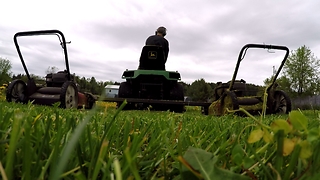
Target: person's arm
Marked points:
166	51
168	48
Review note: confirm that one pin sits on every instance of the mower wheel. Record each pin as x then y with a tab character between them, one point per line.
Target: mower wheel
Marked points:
205	110
177	94
282	102
91	101
229	102
125	91
17	91
69	95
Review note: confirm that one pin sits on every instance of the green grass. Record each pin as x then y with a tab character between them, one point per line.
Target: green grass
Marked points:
40	142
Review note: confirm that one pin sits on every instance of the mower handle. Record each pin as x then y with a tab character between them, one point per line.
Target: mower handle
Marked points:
42	32
262	46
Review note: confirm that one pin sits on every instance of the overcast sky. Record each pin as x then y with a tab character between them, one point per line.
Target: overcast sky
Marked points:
205	36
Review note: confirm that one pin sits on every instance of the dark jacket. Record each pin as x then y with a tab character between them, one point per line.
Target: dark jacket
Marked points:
159	41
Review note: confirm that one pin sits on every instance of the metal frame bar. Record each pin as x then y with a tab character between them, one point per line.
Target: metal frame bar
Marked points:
42	32
155	101
263	46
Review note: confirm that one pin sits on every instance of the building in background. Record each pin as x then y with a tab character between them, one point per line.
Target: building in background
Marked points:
111	91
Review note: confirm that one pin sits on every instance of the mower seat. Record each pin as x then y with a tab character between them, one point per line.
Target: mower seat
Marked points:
152	58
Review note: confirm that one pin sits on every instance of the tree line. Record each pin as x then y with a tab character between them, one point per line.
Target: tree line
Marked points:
299	78
200	90
84	84
300	74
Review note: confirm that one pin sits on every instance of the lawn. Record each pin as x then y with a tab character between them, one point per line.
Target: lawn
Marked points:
41	142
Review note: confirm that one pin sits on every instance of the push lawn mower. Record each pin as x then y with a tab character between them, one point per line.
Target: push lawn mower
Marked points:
60	87
232	95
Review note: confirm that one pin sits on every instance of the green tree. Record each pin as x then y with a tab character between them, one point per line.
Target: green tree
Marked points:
283	83
23	77
253	90
94	86
38	79
199	90
83	84
185	87
302	72
5	71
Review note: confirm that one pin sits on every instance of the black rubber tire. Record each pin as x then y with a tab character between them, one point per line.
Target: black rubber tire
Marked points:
177	94
125	91
282	103
17	91
91	102
205	110
69	95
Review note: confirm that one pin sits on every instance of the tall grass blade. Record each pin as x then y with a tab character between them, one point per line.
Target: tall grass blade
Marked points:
3	173
14	136
67	151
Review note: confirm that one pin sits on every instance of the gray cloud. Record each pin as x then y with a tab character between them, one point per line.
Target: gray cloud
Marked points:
205	36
